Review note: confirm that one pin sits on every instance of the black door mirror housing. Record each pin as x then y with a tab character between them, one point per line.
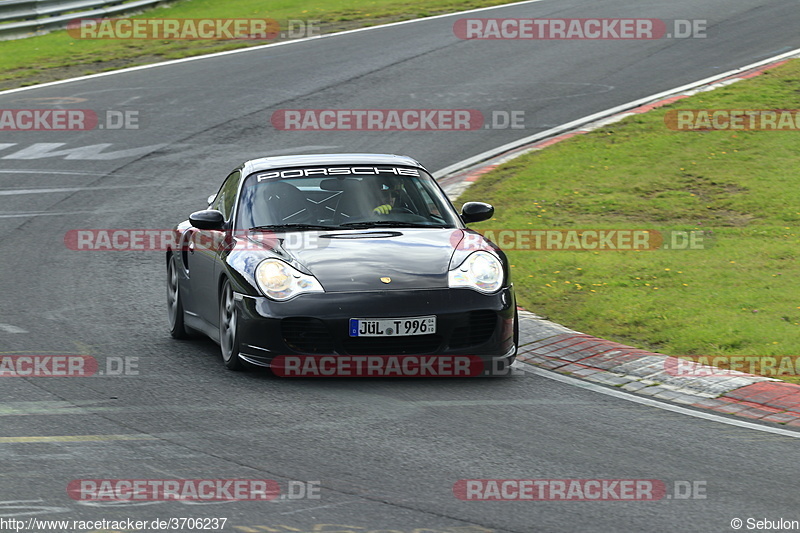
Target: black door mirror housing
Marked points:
209	219
476	212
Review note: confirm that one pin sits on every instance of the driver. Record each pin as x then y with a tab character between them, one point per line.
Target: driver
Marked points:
391	196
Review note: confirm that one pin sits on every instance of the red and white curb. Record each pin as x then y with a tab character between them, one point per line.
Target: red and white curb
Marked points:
554	347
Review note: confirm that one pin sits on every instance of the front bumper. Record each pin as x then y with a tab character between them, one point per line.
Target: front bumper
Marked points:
468	323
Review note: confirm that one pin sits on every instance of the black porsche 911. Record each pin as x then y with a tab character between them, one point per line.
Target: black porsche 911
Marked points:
340	255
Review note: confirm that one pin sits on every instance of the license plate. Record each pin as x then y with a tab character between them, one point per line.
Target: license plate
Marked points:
392	327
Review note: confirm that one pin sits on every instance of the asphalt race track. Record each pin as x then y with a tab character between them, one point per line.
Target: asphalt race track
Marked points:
386	453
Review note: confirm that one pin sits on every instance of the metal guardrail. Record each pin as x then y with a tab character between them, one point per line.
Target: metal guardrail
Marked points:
25	18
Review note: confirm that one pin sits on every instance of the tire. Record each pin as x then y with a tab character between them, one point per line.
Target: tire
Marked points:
177	329
516	331
229	329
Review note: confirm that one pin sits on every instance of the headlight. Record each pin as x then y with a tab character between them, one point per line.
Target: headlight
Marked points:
280	281
481	271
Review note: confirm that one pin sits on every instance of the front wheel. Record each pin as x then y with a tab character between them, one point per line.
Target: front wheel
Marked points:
174	304
229	328
516	331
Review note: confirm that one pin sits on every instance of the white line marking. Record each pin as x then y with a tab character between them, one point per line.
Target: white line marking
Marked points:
92	152
12	192
33	509
262	47
45	214
653	403
43	171
8	328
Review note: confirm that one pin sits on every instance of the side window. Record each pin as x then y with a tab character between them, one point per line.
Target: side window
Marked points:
226	197
425	195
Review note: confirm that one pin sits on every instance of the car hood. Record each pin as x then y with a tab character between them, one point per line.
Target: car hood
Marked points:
372	259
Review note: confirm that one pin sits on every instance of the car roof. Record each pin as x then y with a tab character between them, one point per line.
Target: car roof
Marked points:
284	161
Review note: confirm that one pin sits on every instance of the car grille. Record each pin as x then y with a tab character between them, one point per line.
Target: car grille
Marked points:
412	345
478	329
307	335
311	336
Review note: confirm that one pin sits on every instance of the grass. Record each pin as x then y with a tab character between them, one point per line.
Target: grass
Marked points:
737	296
57	55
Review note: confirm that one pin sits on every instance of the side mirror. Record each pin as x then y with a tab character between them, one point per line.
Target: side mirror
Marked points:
210	219
476	212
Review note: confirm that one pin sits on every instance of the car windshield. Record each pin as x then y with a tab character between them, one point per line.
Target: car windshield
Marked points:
343	198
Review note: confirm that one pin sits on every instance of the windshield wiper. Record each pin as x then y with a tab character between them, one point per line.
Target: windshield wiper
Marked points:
389	224
283	227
